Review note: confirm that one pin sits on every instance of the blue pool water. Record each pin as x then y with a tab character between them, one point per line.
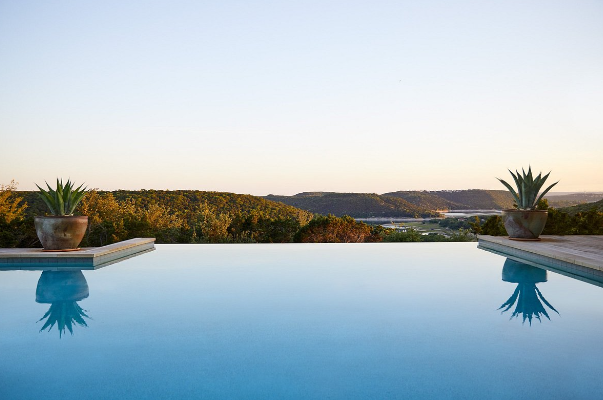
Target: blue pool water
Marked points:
315	321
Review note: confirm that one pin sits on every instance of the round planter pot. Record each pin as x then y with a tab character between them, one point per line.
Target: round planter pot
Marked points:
524	224
517	272
61	232
56	286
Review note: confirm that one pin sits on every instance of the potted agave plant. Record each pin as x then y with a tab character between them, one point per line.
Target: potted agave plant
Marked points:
525	222
61	231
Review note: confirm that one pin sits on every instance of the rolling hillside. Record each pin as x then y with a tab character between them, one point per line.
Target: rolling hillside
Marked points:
357	205
396	204
559	200
424	199
183	201
597	205
472	199
412	203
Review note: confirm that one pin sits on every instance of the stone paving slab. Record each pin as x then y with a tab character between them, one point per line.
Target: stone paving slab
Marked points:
86	258
580	255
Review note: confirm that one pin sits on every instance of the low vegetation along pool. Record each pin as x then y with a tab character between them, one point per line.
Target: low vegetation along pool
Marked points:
302	321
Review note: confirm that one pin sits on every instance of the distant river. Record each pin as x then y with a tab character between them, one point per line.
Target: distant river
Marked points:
447	214
470	213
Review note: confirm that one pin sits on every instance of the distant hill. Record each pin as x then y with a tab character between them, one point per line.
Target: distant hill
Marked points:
357	205
597	205
424	199
413	203
181	201
472	199
571	199
478	199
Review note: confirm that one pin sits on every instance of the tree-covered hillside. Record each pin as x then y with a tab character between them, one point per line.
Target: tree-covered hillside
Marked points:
409	203
184	201
179	216
472	199
586	207
357	205
425	199
223	202
397	204
478	199
574	198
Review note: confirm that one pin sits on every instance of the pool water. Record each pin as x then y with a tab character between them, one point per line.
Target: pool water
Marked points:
302	321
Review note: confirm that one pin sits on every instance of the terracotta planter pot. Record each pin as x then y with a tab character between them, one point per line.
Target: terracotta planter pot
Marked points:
524	224
54	286
61	232
517	272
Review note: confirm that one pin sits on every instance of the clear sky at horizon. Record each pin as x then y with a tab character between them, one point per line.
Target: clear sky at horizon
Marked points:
283	97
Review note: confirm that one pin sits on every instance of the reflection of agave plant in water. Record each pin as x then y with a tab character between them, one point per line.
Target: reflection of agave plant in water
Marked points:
62	289
64	314
527	296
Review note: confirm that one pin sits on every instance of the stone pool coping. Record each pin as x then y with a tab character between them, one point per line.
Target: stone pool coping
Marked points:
86	258
580	255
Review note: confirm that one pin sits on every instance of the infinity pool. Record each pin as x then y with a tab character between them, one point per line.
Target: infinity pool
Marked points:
302	321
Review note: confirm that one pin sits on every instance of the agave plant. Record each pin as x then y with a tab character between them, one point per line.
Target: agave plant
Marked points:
63	199
62	290
526	197
64	314
529	303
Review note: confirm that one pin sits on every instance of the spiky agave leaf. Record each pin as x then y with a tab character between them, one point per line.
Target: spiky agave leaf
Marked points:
509	303
59	197
536	186
76	196
510	188
526	197
48	200
515	177
545	192
64	199
67	196
64	315
524	193
527	300
549	305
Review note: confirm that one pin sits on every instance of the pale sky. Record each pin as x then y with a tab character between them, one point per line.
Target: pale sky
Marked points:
282	97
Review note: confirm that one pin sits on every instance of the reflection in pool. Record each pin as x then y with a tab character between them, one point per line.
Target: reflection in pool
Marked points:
527	298
62	290
297	321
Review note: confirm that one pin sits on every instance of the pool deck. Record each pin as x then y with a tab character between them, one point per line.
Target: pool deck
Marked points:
580	255
86	258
